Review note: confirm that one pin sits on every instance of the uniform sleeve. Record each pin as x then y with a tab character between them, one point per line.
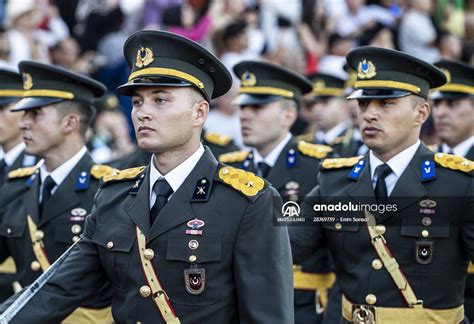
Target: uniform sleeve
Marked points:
468	221
263	264
306	237
79	278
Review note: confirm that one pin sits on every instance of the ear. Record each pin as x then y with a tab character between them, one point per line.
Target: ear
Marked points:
72	123
200	109
423	112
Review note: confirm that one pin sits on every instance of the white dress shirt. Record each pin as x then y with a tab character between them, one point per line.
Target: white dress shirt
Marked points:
331	135
398	164
461	149
175	177
10	156
61	172
272	157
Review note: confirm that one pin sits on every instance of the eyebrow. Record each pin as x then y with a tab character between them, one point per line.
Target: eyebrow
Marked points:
136	94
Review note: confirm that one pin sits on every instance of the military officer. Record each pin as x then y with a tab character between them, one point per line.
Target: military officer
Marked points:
405	211
12	154
12	148
184	239
218	144
43	208
269	98
329	111
453	113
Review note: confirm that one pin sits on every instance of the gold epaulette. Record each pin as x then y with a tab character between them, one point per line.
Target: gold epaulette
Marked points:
454	162
217	139
470	269
126	174
233	157
246	182
308	137
340	162
22	172
317	151
99	170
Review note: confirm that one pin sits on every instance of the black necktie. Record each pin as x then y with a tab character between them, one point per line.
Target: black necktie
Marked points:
48	186
382	171
162	190
263	169
3	170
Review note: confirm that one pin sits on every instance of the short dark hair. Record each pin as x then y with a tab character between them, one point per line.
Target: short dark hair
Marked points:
86	113
233	30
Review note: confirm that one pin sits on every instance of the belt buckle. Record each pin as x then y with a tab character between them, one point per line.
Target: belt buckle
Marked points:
363	314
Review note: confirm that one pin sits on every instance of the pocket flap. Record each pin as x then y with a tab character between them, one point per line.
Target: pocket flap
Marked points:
207	249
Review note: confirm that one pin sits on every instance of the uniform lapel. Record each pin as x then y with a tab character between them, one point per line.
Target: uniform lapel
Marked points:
470	154
179	208
139	207
30	199
361	190
66	196
279	175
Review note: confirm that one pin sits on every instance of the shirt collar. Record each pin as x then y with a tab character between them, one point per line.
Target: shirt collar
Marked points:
62	171
272	157
397	163
11	156
461	149
176	177
331	135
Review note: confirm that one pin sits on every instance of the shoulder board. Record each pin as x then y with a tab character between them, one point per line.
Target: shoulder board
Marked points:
233	157
340	162
317	151
246	182
454	162
217	139
22	172
308	137
433	147
99	170
126	174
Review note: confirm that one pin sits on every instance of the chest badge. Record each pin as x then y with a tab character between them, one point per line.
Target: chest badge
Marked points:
195	280
195	225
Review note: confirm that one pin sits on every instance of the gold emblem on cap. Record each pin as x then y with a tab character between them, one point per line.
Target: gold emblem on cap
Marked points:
248	79
447	74
318	85
144	57
366	70
27	81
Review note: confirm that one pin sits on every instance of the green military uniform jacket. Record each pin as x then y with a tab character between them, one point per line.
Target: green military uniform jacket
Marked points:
424	237
245	259
60	225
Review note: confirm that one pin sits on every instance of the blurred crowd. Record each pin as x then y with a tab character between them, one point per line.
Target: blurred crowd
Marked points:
306	36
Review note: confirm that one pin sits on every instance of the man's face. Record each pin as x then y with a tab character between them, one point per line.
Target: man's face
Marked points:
262	125
163	118
389	125
327	113
9	124
454	120
43	130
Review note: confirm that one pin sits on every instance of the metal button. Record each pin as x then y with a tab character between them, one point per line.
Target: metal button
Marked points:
75	238
76	229
338	226
9	231
35	265
192	258
193	244
148	254
380	229
110	244
370	299
145	291
426	221
225	171
425	233
377	264
39	235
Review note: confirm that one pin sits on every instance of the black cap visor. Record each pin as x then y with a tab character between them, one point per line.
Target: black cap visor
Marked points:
129	88
377	94
245	99
444	95
35	102
8	100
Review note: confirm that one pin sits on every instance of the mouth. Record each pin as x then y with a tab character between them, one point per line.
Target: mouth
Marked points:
370	130
144	130
246	130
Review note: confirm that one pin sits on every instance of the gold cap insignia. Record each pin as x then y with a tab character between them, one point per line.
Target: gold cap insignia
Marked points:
366	70
448	74
248	79
318	85
144	57
27	81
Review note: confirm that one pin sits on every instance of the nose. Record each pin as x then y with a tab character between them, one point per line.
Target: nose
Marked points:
25	122
370	112
440	109
142	112
246	113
